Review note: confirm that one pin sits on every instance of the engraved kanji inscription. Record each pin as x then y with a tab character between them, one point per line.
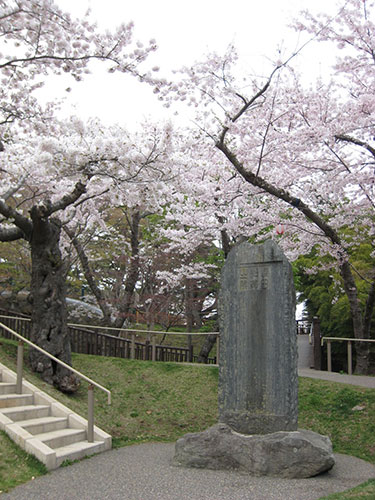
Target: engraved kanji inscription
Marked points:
252	277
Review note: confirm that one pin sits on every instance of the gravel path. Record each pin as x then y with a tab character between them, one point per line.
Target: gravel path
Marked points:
144	472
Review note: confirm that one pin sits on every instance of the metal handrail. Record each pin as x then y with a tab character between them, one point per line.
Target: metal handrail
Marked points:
349	350
92	383
15	317
347	339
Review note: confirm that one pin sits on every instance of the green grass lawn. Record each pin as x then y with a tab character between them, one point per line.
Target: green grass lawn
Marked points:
163	401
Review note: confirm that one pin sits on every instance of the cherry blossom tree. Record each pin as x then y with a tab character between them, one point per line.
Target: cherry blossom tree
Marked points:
156	237
153	162
72	173
39	39
47	170
212	209
308	152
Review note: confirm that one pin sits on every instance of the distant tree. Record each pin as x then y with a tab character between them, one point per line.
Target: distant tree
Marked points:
15	266
111	254
321	289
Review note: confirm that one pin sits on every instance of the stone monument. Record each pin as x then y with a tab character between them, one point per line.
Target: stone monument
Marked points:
258	387
258	379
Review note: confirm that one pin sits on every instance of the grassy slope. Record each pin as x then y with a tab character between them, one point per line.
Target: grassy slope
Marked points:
162	401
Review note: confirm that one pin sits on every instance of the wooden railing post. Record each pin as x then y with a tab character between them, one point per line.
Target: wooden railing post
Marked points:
19	367
350	364
189	347
90	411
191	354
329	356
153	347
132	348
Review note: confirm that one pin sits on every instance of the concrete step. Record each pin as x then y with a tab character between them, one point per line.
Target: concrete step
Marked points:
7	388
44	424
17	413
8	400
47	429
62	437
79	450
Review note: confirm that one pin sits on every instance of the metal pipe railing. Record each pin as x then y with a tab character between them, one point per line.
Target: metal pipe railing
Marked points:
19	367
92	383
349	350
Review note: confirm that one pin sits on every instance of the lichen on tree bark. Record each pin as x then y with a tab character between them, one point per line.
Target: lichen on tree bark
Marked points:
49	314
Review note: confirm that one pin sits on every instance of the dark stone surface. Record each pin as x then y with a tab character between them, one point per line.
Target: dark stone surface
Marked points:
258	385
296	454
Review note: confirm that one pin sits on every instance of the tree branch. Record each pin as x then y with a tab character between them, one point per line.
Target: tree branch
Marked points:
20	221
345	269
89	275
345	165
91	197
66	200
11	233
357	142
12	190
281	194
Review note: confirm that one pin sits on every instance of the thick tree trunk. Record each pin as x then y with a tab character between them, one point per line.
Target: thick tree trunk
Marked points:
132	275
133	271
188	299
206	348
102	303
49	315
362	348
210	340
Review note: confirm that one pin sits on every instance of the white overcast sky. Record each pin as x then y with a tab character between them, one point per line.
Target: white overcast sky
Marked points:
184	32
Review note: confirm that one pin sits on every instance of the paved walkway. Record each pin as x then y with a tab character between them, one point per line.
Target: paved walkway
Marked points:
144	472
359	380
305	360
305	352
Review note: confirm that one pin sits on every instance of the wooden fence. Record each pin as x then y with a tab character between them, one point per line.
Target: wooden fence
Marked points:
86	341
102	344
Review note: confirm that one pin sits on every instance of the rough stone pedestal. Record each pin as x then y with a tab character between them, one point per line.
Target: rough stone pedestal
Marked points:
295	454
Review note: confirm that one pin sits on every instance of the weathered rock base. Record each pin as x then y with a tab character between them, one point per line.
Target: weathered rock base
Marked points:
296	454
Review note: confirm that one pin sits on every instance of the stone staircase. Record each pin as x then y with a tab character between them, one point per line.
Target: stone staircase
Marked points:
44	427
